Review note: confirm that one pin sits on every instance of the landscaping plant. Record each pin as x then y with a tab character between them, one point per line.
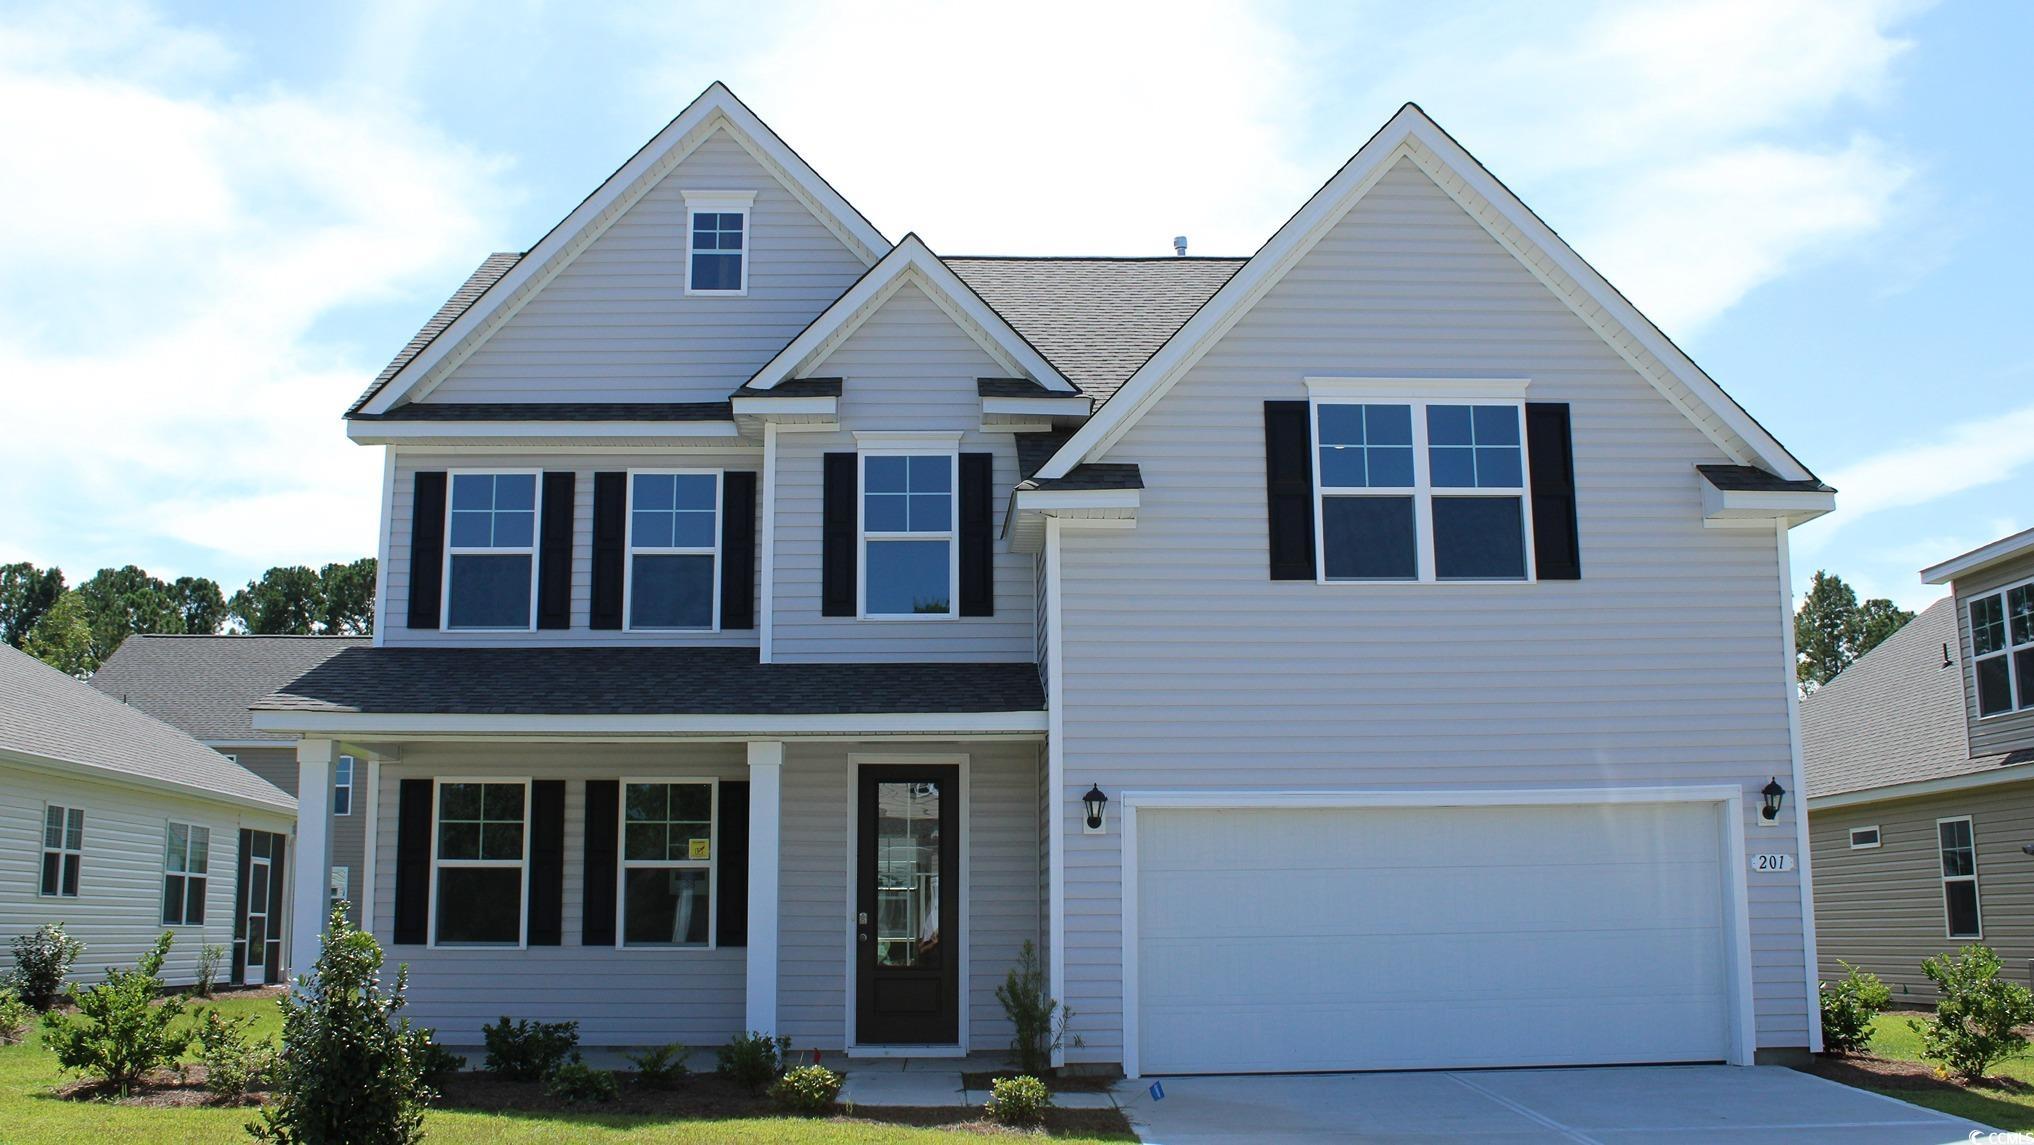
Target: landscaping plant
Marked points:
753	1060
351	1071
807	1089
437	1062
1018	1100
42	960
16	1016
1849	1007
661	1067
1977	1019
573	1082
120	1032
234	1061
529	1051
1040	1021
209	958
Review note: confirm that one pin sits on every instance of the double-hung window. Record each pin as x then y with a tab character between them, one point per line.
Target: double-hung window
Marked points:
1959	878
491	551
2002	649
187	859
667	862
342	785
1421	488
717	241
909	560
63	850
480	862
674	550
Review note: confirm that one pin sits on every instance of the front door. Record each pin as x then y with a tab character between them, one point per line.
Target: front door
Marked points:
907	910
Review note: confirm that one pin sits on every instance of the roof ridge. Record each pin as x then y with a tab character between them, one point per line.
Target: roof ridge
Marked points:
1098	257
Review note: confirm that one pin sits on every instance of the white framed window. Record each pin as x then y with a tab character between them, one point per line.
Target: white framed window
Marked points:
1864	838
186	865
910	562
338	890
669	840
717	244
63	850
491	551
1420	481
671	581
480	862
1958	845
342	785
2002	649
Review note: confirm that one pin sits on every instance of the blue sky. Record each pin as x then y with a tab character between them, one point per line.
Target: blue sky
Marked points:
220	221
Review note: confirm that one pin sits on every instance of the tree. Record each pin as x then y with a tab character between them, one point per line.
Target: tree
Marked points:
121	602
348	591
62	637
1831	629
286	601
26	592
200	606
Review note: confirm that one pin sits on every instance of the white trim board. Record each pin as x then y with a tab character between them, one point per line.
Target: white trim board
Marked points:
740	726
2003	549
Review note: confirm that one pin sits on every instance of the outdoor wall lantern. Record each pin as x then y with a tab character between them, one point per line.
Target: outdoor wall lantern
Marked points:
1774	796
1096	803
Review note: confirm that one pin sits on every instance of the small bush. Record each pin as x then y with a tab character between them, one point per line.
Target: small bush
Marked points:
209	959
16	1016
435	1062
1976	1021
807	1089
42	960
234	1062
661	1067
753	1060
1020	1100
573	1082
1039	1020
529	1051
1848	1009
120	1033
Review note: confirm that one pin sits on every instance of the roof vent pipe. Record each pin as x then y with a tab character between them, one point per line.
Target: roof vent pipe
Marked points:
1179	245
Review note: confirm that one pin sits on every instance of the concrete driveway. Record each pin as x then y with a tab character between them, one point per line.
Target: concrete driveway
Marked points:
1681	1105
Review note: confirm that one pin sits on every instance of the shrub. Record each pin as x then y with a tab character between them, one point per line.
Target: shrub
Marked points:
1020	1100
1976	1020
435	1062
807	1089
15	1016
209	959
42	960
1849	1007
753	1060
1039	1020
661	1066
573	1082
234	1062
351	1070
120	1033
529	1051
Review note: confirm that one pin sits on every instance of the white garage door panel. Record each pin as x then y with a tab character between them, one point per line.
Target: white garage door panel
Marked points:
1381	938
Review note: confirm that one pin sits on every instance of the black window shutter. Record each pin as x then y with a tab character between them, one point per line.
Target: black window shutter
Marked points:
603	804
1557	547
977	541
610	547
732	879
554	554
738	550
240	907
274	954
427	549
837	541
546	926
1289	489
413	863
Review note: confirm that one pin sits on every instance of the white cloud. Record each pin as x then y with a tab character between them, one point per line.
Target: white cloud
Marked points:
1964	456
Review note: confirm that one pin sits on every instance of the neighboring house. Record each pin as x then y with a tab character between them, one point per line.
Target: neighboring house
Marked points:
204	685
1920	761
121	827
761	601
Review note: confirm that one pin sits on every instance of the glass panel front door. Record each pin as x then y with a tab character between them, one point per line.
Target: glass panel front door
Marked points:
906	960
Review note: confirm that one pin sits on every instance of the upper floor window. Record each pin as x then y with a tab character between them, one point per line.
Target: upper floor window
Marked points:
491	551
674	550
186	865
717	246
480	860
342	785
63	850
2002	649
909	564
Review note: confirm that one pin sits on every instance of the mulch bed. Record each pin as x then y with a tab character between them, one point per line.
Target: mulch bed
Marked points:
1070	1083
160	1088
1880	1073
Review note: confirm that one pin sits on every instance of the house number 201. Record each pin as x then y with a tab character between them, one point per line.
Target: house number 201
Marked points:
1772	862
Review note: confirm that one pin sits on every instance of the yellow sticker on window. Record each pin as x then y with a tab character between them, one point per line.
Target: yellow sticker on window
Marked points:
702	849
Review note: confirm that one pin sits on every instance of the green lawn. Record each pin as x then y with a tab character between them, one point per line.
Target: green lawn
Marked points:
2009	1108
31	1115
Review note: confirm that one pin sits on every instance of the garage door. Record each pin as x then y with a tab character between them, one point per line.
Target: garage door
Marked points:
1294	939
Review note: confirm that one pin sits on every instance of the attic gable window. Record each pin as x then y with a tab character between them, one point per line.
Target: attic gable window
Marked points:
2002	649
717	242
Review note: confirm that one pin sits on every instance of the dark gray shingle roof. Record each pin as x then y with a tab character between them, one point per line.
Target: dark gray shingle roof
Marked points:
1093	475
794	388
51	717
644	681
554	411
485	275
1754	479
203	684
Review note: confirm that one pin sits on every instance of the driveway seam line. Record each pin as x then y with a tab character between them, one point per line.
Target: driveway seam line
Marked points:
1527	1112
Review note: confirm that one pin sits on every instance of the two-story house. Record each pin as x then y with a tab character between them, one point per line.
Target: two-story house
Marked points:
1370	653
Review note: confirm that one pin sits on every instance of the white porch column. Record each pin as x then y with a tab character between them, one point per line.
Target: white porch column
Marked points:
312	861
766	796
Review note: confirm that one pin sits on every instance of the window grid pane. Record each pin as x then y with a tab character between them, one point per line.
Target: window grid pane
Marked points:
480	822
1475	447
717	244
1366	446
667	855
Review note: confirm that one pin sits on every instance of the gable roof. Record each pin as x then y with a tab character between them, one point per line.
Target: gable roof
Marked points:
1983	557
485	275
1410	134
715	110
50	721
204	684
1896	716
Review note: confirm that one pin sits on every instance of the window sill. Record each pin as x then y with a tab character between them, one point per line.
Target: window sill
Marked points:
912	617
691	293
1437	583
454	628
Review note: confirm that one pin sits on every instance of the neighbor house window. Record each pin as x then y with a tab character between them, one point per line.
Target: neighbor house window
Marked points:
342	786
491	551
667	862
908	555
1864	838
1421	490
186	860
1959	878
342	883
63	850
717	256
479	862
674	550
2002	649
